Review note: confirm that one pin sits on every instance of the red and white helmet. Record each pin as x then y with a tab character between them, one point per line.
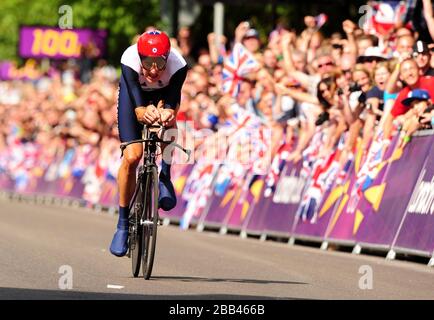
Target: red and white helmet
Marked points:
154	43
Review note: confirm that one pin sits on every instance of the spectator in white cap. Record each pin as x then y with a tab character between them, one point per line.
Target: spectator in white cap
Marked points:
371	57
248	37
251	40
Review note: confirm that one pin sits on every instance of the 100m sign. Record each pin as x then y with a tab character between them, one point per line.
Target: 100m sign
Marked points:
53	42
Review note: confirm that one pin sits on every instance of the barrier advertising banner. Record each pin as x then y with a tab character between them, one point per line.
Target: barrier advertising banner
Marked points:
381	198
331	201
245	202
6	183
225	193
263	189
383	206
198	192
417	231
10	71
254	222
282	203
179	174
5	70
367	172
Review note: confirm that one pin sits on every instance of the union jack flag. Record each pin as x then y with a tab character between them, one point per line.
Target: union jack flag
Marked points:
320	20
323	170
279	162
236	67
369	170
385	14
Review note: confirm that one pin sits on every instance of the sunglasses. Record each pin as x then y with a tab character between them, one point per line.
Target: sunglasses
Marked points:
322	91
148	62
325	64
372	59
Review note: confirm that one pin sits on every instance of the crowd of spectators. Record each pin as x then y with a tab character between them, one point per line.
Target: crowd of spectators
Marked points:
351	84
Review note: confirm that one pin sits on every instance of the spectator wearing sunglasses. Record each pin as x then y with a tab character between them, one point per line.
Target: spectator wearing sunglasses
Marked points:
323	65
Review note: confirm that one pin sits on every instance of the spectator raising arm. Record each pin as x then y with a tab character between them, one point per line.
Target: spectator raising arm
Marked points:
429	17
296	94
215	46
392	82
241	30
349	27
287	48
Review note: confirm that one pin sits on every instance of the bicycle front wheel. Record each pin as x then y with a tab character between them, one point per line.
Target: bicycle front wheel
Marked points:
150	223
136	230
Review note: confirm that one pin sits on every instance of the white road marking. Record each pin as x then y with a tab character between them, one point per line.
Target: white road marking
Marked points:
112	286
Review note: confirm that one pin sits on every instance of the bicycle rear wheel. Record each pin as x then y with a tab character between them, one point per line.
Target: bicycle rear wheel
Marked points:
150	212
136	230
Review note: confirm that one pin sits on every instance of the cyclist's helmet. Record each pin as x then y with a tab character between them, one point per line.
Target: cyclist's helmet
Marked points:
153	43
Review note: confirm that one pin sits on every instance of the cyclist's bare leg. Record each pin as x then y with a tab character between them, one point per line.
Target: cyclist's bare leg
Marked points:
127	173
126	184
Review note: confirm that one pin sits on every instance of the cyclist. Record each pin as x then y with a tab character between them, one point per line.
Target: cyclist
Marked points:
149	92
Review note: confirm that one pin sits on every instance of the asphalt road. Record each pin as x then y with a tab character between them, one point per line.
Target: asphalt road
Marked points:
44	249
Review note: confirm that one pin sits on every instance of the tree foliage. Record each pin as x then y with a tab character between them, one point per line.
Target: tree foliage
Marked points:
126	18
123	19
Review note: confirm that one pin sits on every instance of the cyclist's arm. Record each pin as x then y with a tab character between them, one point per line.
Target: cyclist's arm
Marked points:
173	96
131	79
137	97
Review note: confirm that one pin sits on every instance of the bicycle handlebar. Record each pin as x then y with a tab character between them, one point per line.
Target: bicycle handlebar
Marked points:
155	126
123	145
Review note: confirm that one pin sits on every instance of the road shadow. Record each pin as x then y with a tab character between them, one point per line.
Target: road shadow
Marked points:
38	294
201	279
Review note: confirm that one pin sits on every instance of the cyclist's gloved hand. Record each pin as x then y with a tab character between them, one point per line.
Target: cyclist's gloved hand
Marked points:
148	115
167	116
